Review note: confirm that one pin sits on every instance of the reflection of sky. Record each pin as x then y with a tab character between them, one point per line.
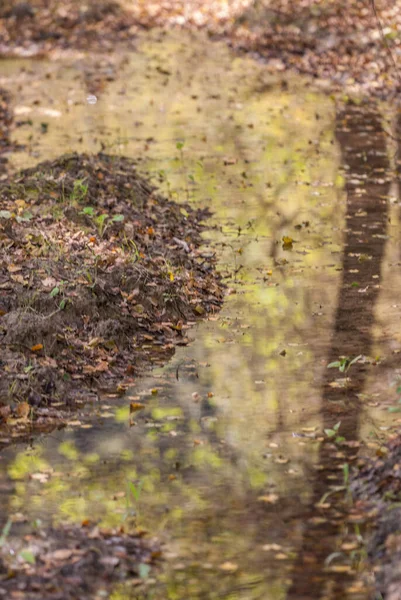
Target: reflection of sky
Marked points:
214	448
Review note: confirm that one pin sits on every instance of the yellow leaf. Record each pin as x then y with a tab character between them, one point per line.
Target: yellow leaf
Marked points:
287	242
171	276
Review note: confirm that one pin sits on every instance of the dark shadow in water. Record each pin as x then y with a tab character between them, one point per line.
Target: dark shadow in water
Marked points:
365	162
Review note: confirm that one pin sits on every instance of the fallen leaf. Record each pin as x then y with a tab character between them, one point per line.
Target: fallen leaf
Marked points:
22	411
287	242
4	412
271	547
14	268
37	347
62	554
49	282
269	498
229	567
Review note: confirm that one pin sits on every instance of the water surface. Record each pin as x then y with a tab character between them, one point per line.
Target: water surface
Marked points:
230	453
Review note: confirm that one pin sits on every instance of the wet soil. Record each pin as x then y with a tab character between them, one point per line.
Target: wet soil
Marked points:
100	277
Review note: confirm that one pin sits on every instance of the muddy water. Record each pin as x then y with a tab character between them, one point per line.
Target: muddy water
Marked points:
229	458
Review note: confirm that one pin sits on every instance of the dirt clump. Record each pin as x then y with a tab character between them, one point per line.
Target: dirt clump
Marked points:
100	276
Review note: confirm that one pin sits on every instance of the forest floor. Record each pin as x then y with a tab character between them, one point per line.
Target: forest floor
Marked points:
352	46
73	562
100	276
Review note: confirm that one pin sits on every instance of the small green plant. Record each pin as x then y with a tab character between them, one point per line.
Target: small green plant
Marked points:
344	488
344	363
346	474
332	433
58	290
396	409
132	495
132	248
79	191
5	532
101	221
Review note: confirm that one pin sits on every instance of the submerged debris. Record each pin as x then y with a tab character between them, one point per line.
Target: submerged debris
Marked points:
99	277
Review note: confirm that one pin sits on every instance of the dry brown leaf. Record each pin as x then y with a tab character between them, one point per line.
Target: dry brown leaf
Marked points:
135	406
22	411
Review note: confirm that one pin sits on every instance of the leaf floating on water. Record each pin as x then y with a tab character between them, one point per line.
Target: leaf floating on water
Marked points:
229	567
287	242
135	406
281	460
340	568
271	547
269	498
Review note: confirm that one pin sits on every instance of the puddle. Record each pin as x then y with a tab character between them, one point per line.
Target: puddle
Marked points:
229	456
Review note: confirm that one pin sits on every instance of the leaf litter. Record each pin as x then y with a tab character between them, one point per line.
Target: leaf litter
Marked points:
94	285
350	45
73	562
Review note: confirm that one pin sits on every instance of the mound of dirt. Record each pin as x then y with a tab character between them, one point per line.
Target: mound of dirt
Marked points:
99	277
